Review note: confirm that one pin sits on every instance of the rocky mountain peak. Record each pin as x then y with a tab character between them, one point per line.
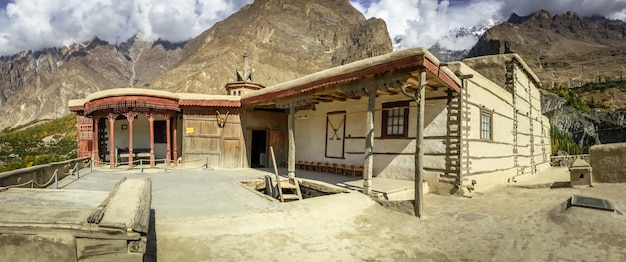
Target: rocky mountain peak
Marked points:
285	39
36	85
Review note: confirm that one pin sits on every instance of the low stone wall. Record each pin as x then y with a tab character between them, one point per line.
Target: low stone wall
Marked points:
39	175
608	163
567	161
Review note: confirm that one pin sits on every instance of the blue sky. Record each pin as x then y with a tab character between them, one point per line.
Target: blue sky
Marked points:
3	3
36	24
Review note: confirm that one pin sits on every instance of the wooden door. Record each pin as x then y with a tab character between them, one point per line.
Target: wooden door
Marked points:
232	152
335	132
201	140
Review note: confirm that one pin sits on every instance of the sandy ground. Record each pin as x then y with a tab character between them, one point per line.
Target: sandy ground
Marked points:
504	224
208	216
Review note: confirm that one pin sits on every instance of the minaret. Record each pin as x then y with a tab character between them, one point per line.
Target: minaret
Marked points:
243	84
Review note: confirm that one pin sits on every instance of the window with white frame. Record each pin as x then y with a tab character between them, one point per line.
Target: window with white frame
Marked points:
486	124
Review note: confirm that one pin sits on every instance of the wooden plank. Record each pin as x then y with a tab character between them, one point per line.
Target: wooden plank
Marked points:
97	214
232	153
126	203
85	230
119	257
89	247
142	217
29	247
278	184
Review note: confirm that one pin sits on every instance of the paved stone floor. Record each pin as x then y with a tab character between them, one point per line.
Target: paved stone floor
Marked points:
206	215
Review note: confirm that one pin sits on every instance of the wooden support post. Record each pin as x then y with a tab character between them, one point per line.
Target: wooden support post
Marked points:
369	142
95	141
291	169
175	139
130	116
112	139
419	153
168	153
151	120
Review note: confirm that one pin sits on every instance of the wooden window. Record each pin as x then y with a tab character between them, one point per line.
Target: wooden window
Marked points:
486	125
160	132
395	119
85	127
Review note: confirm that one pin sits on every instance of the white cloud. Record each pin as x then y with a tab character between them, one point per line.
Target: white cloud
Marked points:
428	22
36	24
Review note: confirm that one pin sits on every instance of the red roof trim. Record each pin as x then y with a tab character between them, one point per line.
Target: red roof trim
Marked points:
130	102
218	103
436	70
77	108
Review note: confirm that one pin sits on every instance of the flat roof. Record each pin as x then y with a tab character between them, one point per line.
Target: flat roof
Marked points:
351	71
188	99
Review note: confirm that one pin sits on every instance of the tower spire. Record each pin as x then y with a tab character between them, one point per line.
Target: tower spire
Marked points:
246	74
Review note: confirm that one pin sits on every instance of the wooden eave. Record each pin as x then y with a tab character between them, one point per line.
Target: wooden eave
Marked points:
132	102
77	108
332	87
215	103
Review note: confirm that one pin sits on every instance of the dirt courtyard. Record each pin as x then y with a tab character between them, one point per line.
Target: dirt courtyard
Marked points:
502	224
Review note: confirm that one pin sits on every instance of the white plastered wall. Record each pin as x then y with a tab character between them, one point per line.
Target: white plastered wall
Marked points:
392	157
493	162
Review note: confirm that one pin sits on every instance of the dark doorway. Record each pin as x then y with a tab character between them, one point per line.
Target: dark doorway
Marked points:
259	149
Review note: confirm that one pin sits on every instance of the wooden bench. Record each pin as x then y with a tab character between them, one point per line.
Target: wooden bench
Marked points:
326	167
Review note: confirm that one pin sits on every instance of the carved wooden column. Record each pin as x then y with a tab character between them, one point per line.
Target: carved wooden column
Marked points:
112	117
95	142
368	164
131	117
291	169
175	139
151	120
168	153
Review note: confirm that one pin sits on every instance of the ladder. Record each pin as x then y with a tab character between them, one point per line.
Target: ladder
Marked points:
290	185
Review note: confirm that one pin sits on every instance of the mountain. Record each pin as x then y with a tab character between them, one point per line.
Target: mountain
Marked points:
569	53
284	39
36	85
461	34
562	48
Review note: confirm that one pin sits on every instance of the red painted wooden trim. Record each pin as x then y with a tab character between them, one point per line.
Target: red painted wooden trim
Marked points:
218	103
122	102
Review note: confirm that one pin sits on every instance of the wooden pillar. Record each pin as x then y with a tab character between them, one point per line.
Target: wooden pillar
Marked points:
175	139
95	142
112	139
130	116
168	153
151	120
419	153
368	165
291	169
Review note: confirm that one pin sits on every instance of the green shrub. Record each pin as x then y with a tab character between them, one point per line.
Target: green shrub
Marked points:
562	140
25	147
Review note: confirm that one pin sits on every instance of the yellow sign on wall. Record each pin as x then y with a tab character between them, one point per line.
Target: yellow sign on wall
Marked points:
189	130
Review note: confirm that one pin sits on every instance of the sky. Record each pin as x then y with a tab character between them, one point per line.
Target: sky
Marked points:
37	24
